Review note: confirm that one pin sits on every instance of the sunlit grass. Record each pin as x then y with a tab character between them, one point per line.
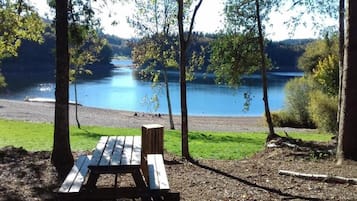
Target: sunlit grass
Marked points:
210	145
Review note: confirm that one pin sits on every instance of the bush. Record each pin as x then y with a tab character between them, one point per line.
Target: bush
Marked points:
284	119
323	111
297	93
327	75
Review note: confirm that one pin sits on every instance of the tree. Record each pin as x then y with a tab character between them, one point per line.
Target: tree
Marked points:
347	139
62	157
244	18
18	21
85	47
316	51
81	16
264	72
232	56
184	41
154	20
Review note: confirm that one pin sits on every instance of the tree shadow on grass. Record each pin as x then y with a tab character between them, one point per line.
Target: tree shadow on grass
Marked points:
287	196
223	138
88	134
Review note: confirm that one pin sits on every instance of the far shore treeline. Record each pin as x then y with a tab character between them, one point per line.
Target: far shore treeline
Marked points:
34	57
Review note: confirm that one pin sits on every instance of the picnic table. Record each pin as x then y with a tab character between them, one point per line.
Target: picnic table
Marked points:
118	155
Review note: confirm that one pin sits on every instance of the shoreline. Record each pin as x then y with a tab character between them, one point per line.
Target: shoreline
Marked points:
90	116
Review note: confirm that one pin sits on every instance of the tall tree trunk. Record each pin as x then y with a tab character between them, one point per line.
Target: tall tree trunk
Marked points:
341	53
347	139
184	122
264	74
172	125
184	44
62	157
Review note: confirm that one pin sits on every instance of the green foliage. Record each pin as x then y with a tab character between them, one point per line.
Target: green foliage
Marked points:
154	55
285	54
285	119
2	81
240	16
327	74
204	144
317	51
314	53
84	49
152	17
18	22
106	53
233	56
323	111
297	94
309	100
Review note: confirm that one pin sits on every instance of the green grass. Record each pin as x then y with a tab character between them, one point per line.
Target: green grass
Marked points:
212	145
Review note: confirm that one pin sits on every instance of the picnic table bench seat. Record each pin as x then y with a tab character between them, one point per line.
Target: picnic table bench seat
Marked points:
72	185
158	182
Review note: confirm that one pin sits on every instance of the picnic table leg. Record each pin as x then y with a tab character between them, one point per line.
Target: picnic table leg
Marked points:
92	181
116	181
140	183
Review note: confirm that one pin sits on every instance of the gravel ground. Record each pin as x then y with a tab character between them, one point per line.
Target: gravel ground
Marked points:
44	112
30	176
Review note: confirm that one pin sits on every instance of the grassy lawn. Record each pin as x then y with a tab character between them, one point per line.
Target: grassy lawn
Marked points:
213	145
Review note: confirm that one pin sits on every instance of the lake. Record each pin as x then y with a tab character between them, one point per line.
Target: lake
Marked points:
122	91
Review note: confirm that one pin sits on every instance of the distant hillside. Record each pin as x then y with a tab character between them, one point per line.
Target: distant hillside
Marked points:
285	54
34	57
120	47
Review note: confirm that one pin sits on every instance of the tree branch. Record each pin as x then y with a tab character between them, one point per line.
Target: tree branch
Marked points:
320	177
193	20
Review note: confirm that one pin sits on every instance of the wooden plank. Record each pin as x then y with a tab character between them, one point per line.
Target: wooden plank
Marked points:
157	173
161	172
118	151
136	155
128	146
78	182
153	179
97	154
66	185
107	153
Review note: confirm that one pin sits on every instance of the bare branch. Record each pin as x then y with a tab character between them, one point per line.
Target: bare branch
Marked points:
193	19
320	177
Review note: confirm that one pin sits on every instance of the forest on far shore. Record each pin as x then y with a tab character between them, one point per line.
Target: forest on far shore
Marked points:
34	57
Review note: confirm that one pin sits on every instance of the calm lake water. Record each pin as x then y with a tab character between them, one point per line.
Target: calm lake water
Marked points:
122	91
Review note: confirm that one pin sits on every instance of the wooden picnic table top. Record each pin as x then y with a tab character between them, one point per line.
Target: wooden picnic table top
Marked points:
116	153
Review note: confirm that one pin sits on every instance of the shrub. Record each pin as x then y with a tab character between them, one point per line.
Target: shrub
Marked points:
323	111
326	74
297	100
284	119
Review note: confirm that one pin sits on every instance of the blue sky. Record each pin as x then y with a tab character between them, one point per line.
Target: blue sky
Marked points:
209	19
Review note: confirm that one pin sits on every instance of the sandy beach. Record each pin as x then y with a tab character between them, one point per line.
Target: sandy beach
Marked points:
44	112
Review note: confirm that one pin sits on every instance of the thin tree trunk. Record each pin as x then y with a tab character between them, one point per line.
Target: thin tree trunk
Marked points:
172	125
341	53
76	100
184	122
62	157
184	43
347	140
264	74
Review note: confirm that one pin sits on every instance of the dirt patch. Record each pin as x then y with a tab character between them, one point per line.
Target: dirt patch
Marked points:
30	176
